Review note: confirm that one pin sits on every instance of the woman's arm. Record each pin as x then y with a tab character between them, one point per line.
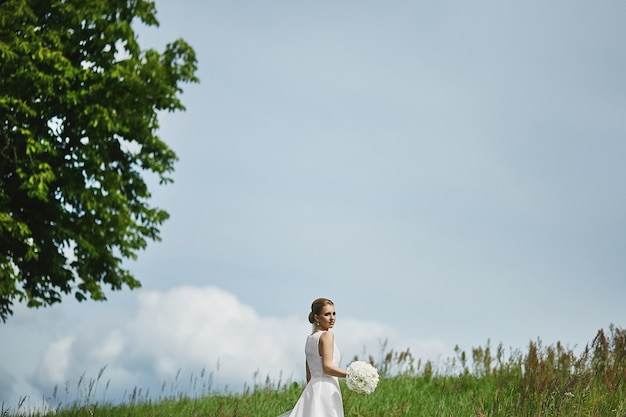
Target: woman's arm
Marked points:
327	347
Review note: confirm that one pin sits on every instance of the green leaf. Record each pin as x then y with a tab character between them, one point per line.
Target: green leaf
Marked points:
73	200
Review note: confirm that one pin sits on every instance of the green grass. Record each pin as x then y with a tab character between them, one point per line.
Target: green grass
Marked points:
540	381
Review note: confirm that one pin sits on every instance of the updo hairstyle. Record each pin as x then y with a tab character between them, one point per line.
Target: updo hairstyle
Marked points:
316	307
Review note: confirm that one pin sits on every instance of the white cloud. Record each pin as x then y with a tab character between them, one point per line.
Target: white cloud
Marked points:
192	328
192	339
55	361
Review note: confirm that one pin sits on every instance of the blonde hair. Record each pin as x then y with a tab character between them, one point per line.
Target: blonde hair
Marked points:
316	307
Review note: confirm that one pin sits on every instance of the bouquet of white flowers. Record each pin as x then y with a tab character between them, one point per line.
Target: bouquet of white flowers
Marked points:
362	377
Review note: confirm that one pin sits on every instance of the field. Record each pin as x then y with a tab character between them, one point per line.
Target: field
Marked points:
488	381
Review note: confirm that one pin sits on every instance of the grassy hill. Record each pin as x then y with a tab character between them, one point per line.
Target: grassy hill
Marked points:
541	381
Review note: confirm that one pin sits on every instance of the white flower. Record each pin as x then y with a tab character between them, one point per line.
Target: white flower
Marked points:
362	377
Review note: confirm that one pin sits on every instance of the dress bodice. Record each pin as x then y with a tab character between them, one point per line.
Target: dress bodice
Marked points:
313	357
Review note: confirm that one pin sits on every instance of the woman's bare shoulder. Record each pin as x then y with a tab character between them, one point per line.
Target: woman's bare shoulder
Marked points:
327	335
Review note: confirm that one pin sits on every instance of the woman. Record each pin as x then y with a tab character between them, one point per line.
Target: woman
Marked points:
321	396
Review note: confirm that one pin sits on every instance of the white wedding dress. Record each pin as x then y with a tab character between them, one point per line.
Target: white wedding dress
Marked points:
321	396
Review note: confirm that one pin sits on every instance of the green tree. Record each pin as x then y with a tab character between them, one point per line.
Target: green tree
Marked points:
79	104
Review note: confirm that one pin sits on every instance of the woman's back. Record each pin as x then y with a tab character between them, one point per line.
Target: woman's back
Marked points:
313	357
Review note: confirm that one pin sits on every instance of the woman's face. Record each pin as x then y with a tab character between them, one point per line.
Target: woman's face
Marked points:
326	318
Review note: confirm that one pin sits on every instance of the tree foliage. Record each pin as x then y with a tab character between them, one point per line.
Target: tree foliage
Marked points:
79	104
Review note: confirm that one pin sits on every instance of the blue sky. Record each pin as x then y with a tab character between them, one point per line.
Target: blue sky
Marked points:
447	172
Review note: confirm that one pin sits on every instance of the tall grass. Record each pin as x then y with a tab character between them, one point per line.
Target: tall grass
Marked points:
539	381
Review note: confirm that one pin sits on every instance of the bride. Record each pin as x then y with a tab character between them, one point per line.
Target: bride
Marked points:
321	396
